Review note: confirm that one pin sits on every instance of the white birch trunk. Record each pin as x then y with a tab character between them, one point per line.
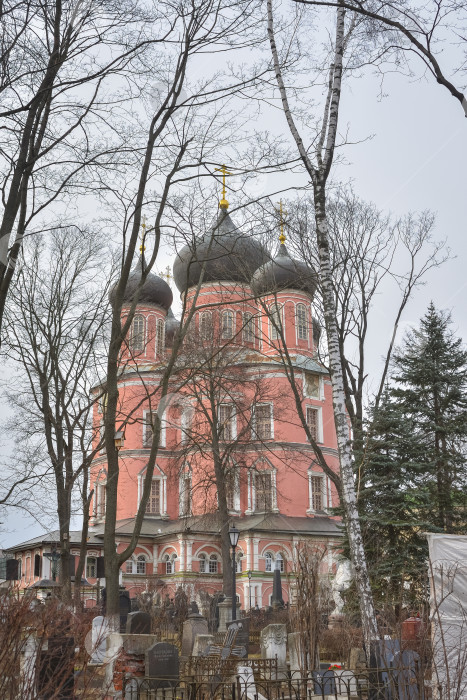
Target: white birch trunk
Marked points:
324	153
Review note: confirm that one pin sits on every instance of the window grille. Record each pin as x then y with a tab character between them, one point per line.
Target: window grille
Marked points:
226	418
160	337
317	500
153	506
312	422
205	325
248	328
301	321
262	420
141	564
137	334
213	564
263	487
275	320
227	324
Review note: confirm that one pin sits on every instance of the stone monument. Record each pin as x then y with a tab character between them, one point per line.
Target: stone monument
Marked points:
195	625
138	623
162	665
274	644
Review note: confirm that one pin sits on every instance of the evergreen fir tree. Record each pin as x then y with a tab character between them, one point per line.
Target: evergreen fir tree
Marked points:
413	475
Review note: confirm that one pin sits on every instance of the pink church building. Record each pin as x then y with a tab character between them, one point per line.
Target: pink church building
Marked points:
250	309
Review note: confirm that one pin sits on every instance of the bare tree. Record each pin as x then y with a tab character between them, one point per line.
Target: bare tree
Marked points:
409	28
57	58
323	147
56	320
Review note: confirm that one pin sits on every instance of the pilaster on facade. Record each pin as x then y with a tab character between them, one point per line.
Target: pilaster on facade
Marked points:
189	555
256	553
181	544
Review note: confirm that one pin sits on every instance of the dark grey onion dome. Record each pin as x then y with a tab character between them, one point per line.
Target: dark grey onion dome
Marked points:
227	253
316	331
171	327
282	272
155	290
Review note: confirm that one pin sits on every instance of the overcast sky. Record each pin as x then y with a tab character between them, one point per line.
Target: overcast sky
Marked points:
415	160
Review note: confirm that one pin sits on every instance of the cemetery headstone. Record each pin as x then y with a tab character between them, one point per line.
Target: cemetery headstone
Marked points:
295	654
138	623
274	643
56	670
243	634
405	676
202	642
325	683
162	665
99	633
247	683
195	625
125	608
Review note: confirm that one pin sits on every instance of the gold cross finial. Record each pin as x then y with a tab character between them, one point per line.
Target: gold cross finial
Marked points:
167	274
142	247
282	215
223	204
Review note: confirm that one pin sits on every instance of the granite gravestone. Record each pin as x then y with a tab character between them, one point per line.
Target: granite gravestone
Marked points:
56	669
138	623
195	625
162	665
125	607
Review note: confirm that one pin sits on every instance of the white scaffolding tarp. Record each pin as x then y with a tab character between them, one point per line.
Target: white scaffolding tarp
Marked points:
448	606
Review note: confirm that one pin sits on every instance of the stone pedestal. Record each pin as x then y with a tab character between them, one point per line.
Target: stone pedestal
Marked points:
194	626
225	614
274	643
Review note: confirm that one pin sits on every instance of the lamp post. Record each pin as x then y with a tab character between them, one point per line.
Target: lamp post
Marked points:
234	535
249	589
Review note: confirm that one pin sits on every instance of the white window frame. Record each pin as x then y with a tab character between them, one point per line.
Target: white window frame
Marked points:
271	417
88	559
205	333
228	330
147	429
161	499
169	561
319	421
236	490
184	479
157	476
232	421
274	309
249	327
203	560
100	498
138	317
320	395
325	491
140	559
269	559
213	564
272	472
303	332
160	338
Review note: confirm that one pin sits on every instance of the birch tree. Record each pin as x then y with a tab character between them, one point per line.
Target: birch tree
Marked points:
408	28
318	170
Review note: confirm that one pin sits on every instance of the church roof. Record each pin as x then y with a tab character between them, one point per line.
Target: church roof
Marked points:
155	290
283	272
224	252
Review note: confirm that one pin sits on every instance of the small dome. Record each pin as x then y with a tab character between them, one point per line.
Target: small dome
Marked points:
172	325
228	255
283	273
155	290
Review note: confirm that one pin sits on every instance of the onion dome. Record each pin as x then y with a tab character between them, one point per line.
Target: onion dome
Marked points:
283	272
225	254
155	290
171	327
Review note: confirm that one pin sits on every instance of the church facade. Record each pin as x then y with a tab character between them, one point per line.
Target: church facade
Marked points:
232	447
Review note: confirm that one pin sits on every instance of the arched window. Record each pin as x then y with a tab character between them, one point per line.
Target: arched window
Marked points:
20	568
248	328
202	563
301	321
280	560
169	561
205	325
137	334
91	567
275	321
213	564
141	564
227	324
160	337
129	566
268	557
238	562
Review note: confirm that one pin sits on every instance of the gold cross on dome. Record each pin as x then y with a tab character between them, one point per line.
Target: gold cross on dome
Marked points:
282	215
142	247
167	274
223	204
